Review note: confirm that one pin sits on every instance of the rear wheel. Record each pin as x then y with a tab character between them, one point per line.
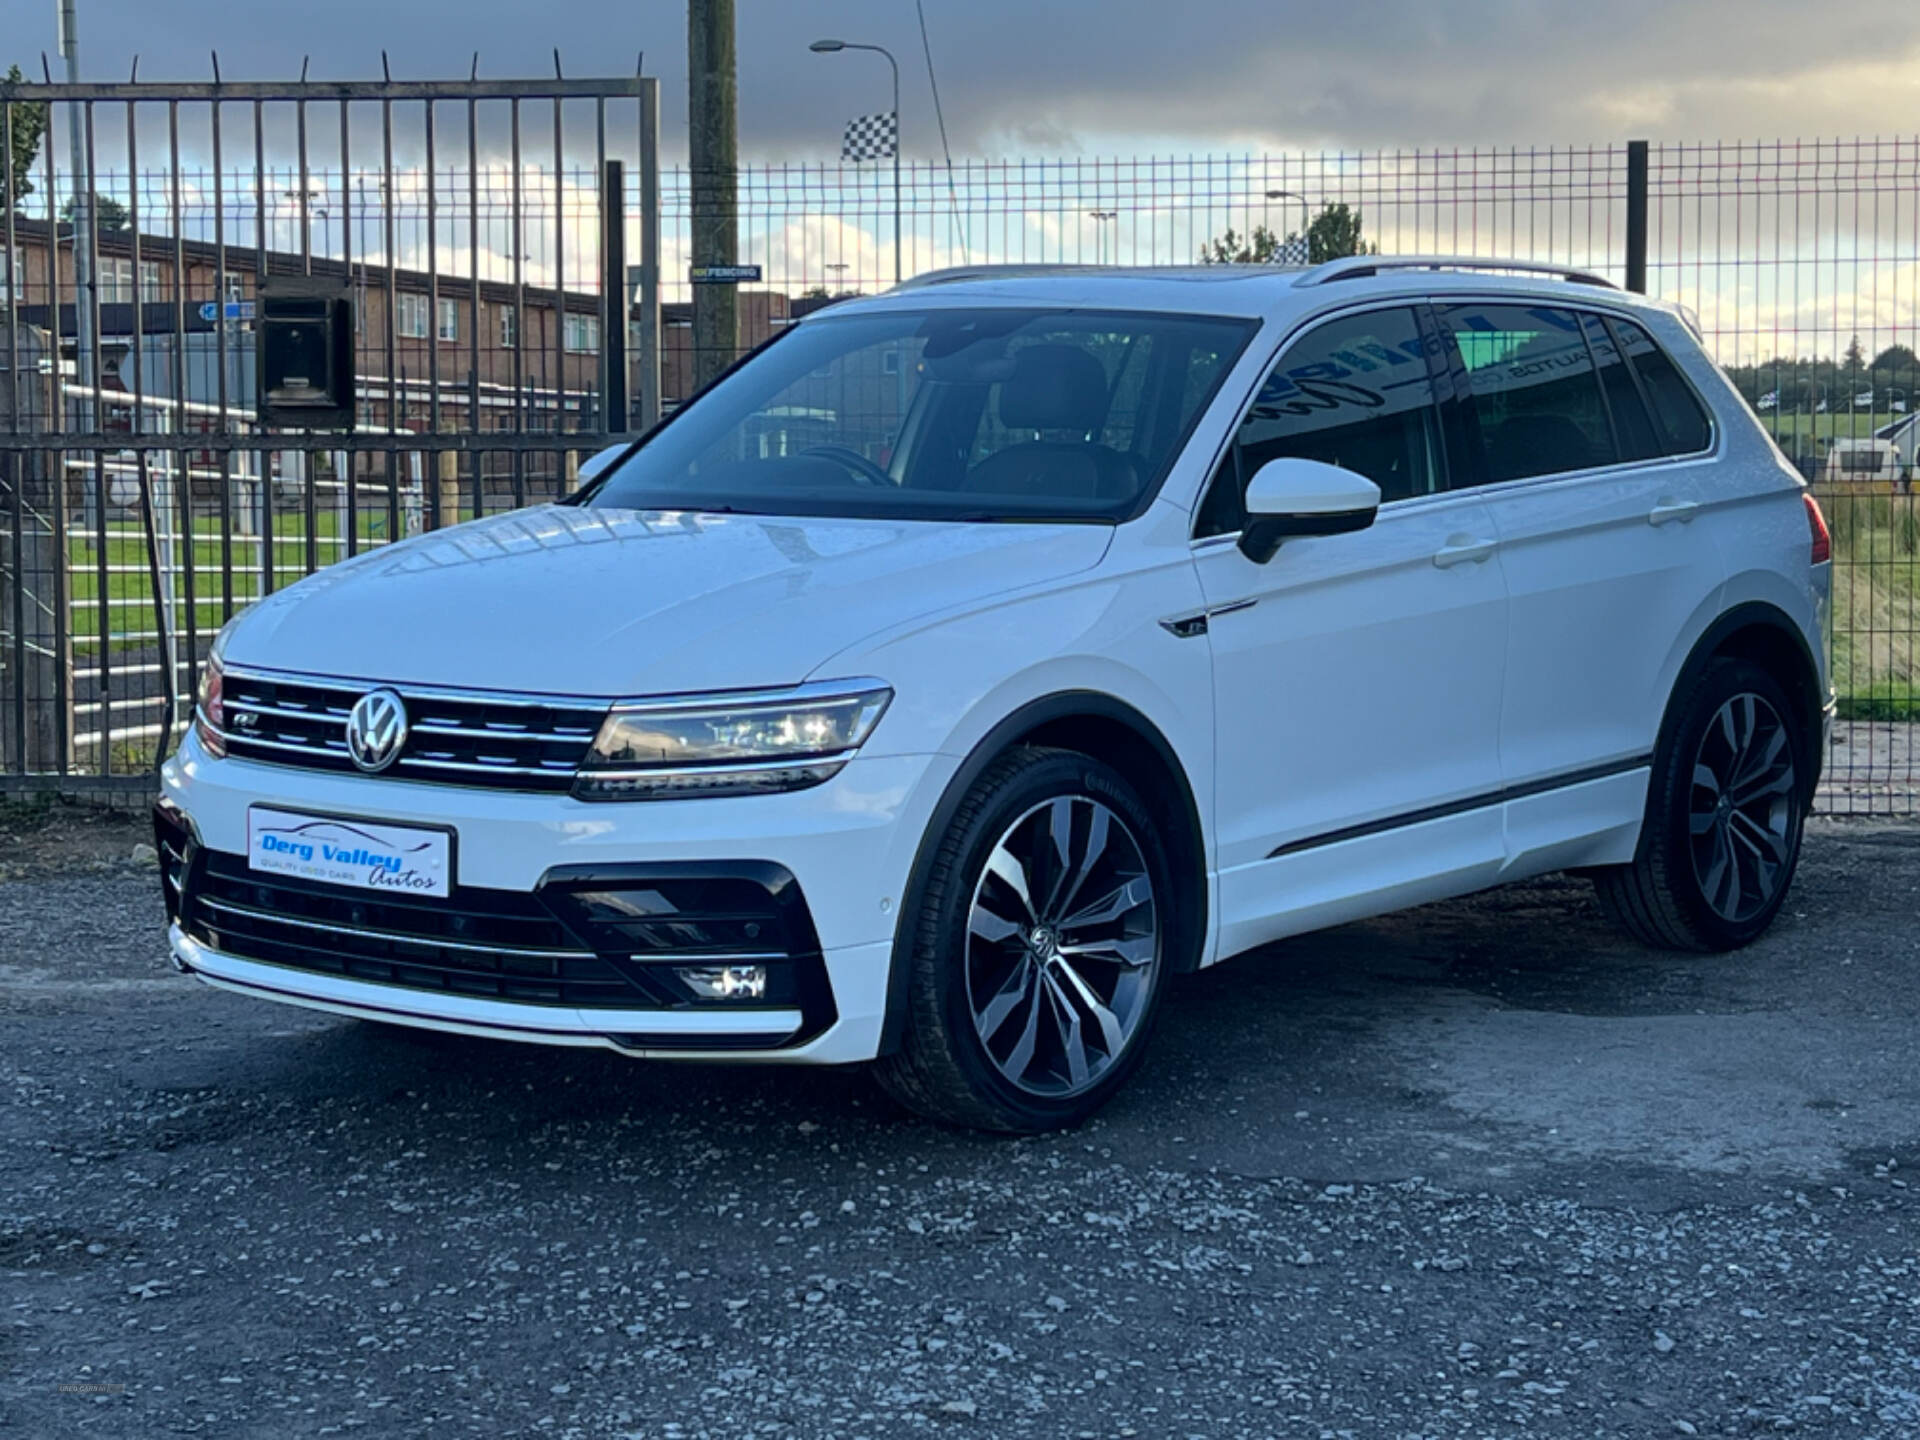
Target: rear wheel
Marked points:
1040	949
1725	809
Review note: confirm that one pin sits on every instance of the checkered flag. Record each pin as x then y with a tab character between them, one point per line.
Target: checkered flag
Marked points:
1293	250
871	137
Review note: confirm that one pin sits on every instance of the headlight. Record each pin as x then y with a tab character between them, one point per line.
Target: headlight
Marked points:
209	712
730	745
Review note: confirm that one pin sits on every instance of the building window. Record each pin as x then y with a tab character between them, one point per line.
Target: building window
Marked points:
508	334
13	277
153	289
115	281
583	333
449	326
411	317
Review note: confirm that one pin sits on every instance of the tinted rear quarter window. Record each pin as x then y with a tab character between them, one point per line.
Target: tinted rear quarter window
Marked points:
1677	413
1536	398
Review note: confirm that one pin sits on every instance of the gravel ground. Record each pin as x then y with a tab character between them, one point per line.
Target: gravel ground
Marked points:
1479	1170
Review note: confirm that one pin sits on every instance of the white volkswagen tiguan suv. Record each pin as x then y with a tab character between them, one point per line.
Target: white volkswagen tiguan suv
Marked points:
975	657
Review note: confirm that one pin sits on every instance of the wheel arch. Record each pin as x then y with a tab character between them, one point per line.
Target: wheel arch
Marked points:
1107	729
1765	634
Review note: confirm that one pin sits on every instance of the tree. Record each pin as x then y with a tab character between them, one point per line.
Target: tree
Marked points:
1259	248
1335	233
1331	235
109	214
29	125
1855	359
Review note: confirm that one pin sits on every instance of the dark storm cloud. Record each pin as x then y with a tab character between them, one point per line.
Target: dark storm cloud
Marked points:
1074	74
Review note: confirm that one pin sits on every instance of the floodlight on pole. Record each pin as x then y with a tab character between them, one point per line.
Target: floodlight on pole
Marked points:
1101	217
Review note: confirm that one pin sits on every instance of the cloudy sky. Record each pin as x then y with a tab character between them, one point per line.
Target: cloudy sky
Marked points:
1788	250
1112	76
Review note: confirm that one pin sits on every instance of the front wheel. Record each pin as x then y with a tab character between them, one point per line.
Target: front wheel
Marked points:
1725	808
1040	948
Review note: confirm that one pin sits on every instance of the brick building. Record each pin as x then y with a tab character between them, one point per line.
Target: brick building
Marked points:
486	343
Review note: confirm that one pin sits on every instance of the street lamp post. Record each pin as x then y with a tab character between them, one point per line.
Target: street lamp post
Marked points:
83	223
830	47
1306	222
313	212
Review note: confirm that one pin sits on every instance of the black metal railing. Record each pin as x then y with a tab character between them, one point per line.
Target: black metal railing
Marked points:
122	556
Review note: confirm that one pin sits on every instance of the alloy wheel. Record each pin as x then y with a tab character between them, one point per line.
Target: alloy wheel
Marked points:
1741	811
1063	943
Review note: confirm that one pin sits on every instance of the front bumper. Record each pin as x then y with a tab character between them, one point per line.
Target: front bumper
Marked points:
848	845
682	1035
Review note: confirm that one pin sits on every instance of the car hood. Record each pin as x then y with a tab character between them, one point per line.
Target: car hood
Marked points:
564	600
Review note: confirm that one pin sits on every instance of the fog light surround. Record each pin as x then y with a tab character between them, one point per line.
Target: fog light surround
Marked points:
725	982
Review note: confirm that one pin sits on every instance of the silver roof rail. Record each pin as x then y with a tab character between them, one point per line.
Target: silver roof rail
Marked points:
1358	267
983	272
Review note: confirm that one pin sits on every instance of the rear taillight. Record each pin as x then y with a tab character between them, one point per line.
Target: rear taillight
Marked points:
1822	537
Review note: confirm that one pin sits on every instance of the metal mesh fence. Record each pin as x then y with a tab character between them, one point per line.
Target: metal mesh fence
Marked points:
1800	258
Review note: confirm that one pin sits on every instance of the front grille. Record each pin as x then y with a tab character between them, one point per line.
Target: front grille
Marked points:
499	742
491	944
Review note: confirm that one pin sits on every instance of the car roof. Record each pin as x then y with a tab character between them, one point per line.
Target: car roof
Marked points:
1252	291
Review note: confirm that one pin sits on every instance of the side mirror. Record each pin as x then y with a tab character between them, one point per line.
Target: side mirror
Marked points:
1290	496
601	460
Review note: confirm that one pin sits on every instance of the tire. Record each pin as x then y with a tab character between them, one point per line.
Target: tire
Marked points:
1026	1014
1726	805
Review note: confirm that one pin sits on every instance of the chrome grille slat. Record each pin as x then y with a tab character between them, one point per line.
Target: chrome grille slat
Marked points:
504	768
333	717
428	727
324	747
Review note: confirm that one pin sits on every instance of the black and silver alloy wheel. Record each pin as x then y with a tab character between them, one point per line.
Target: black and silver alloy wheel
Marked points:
1726	800
1741	814
1037	941
1062	940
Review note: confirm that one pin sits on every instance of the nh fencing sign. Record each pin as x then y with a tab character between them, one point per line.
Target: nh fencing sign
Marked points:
724	274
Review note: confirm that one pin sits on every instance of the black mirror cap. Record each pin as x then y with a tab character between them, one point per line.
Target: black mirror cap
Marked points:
1260	537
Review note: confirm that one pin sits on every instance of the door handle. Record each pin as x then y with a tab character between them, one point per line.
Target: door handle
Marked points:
1667	509
1462	550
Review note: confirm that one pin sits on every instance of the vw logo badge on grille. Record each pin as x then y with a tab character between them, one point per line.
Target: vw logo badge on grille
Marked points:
376	729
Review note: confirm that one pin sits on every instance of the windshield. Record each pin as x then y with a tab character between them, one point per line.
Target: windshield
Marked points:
974	414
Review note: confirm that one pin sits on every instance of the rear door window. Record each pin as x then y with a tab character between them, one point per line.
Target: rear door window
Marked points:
1535	397
1678	416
